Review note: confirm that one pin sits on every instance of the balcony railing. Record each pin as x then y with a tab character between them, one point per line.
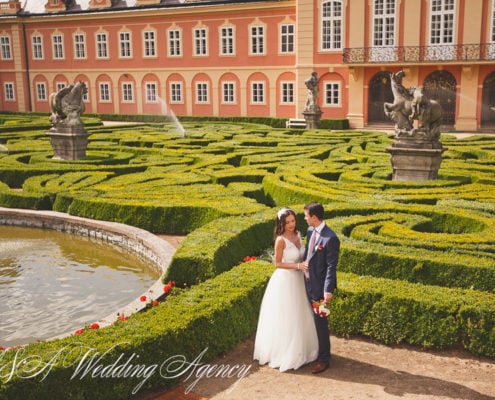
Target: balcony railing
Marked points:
420	54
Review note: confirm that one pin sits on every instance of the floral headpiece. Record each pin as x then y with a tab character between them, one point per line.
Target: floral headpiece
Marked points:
283	211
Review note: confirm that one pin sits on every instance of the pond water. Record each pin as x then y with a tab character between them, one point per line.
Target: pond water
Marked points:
53	282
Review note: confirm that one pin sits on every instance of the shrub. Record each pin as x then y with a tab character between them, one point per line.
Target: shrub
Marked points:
204	321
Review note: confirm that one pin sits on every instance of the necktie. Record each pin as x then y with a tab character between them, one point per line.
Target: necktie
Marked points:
311	246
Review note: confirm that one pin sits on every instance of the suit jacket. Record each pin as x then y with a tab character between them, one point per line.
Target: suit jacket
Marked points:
323	260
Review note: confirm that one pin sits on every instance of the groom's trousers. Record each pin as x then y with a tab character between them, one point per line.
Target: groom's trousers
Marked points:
323	339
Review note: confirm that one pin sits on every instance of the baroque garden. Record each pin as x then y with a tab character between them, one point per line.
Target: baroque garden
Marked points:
417	260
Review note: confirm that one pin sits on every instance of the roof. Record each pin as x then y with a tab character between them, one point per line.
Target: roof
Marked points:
38	6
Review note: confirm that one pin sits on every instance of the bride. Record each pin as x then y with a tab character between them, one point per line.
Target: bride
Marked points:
286	335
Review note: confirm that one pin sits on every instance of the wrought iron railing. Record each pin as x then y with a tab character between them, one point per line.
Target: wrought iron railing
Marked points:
416	54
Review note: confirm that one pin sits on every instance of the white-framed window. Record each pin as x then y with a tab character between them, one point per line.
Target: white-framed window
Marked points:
258	92
442	15
492	20
125	49
41	91
127	92
101	45
150	92
331	25
6	51
287	37
332	94
490	48
9	91
491	39
257	40
149	44
104	89
174	43
201	92
85	96
287	93
58	47
442	23
200	42
37	45
227	41
59	86
228	92
175	92
383	31
384	23
79	46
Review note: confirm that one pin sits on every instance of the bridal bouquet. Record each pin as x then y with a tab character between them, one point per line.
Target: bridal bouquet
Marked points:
320	308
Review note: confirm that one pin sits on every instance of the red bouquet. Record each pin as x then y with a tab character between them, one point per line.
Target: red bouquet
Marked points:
320	308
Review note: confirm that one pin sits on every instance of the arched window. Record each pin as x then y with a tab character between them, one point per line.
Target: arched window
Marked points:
488	101
441	86
379	92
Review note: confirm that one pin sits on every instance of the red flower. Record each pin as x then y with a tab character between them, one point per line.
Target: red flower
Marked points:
168	287
155	303
142	298
122	317
79	331
319	247
1	348
94	326
249	258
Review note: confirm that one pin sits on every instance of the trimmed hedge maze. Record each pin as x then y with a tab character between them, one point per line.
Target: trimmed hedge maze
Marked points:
417	259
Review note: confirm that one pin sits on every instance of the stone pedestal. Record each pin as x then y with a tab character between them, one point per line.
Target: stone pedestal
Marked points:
68	143
312	118
415	159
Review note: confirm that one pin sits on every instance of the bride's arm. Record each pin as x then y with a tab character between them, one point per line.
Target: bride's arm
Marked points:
279	251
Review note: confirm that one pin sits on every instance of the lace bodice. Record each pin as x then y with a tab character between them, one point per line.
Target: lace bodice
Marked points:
291	253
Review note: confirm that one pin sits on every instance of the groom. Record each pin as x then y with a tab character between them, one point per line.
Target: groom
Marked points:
320	269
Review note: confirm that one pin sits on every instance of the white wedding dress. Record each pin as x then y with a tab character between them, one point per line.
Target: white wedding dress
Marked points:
286	336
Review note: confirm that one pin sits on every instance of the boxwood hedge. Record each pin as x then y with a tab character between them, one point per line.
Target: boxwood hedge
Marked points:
417	262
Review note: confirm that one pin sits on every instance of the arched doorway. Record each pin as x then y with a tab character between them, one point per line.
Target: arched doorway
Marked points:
488	101
379	92
441	86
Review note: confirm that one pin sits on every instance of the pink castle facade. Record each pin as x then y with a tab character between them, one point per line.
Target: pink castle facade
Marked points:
251	58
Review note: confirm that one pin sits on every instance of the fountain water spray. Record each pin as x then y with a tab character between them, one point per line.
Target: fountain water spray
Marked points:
170	113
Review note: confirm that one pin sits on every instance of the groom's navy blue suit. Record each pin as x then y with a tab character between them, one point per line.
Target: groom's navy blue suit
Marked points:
323	259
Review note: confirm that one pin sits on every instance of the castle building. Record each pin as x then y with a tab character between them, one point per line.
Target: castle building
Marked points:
251	57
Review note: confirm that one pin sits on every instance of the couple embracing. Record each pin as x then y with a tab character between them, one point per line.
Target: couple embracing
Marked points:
290	334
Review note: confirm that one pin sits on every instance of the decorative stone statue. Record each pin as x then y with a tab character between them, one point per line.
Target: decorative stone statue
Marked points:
312	112
411	104
67	105
416	153
68	137
313	93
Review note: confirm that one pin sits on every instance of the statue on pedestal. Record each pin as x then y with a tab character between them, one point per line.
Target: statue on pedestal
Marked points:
312	112
416	153
68	137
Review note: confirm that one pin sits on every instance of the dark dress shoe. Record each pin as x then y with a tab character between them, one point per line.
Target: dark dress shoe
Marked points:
319	367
